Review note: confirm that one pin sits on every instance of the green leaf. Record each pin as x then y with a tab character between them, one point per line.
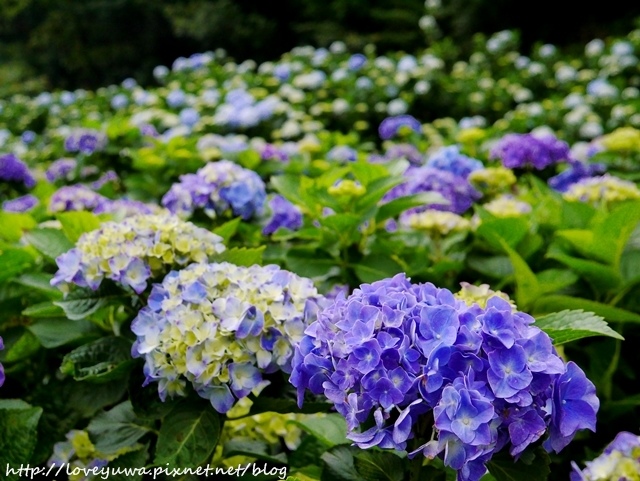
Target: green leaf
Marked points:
399	205
553	303
103	360
503	468
60	331
601	276
375	192
566	326
13	225
13	262
50	242
116	429
330	430
43	309
527	282
253	449
311	264
241	256
40	282
25	346
552	280
288	186
611	235
379	466
228	229
375	267
81	303
188	435
497	267
18	434
339	465
133	460
74	224
510	229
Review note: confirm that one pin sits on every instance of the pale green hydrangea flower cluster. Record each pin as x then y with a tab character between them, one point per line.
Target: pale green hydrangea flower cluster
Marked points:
604	189
221	327
134	251
507	206
436	222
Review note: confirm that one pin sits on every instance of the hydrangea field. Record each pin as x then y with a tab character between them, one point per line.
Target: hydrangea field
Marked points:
335	266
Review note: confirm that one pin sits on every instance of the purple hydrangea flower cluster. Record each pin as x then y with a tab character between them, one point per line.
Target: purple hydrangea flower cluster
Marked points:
620	461
61	169
528	150
1	367
404	151
575	173
222	327
85	141
219	188
450	159
390	126
12	169
458	192
283	214
76	197
134	251
272	152
401	354
20	204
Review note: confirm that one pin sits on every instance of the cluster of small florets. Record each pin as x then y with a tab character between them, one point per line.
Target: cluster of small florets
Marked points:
435	222
528	150
456	190
13	170
623	140
393	352
574	173
218	188
85	141
620	461
605	189
20	204
392	126
507	205
492	180
221	327
284	215
134	251
450	159
79	454
80	197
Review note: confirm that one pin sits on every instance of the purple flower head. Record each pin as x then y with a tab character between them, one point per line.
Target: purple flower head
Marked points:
456	190
28	137
451	160
397	351
85	141
404	151
356	62
528	150
223	328
271	152
176	98
14	170
218	188
21	204
74	198
283	215
391	126
60	169
576	172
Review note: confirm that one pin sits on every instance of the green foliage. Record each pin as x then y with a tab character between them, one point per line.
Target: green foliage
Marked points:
18	434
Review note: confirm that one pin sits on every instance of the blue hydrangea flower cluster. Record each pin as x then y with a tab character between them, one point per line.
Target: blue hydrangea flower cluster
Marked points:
400	354
457	191
576	172
528	150
1	367
221	327
20	204
620	461
450	159
283	214
12	169
218	188
85	141
134	251
391	126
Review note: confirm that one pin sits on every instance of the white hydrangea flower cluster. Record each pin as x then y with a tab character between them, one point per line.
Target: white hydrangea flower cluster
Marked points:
133	251
221	327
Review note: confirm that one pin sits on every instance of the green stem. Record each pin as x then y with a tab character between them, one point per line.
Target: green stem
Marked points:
608	375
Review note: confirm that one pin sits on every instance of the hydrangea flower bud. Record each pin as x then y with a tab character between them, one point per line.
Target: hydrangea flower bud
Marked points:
221	328
134	251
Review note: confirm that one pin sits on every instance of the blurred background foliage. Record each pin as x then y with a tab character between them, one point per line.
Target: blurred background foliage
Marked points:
49	44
